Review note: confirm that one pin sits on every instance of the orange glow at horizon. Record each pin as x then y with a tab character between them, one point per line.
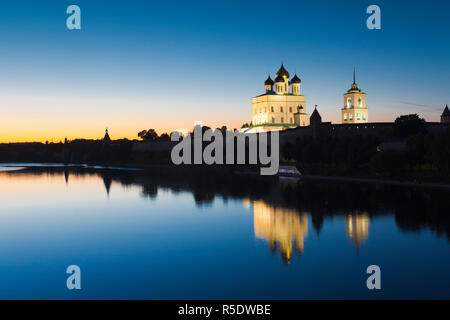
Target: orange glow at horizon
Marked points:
53	118
56	133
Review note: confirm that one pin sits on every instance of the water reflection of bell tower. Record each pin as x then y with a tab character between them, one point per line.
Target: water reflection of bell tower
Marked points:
281	228
357	225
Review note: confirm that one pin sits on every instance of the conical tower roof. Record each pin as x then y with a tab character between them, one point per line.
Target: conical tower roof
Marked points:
315	116
106	138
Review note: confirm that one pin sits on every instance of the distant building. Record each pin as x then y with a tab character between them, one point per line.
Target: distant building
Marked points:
445	116
355	109
281	106
106	138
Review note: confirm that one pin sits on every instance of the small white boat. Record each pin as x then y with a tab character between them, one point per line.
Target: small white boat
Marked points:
288	171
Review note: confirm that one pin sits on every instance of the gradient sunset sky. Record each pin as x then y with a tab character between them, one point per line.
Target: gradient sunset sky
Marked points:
164	64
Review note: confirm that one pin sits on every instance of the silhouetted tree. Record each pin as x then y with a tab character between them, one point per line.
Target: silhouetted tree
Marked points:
148	135
142	133
408	125
164	137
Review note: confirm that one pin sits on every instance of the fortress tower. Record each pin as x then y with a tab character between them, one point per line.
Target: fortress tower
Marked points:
355	109
445	116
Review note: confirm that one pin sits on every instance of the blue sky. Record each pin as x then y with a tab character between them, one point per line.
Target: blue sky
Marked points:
165	64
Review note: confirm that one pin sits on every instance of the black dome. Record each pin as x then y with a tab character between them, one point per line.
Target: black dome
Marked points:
295	79
269	81
282	72
279	79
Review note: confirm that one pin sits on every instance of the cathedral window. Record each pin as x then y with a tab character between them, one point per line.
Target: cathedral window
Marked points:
349	102
282	120
351	116
345	117
281	109
273	120
271	109
364	116
360	102
290	109
290	120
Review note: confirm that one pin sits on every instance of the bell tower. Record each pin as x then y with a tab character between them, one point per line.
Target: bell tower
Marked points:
355	109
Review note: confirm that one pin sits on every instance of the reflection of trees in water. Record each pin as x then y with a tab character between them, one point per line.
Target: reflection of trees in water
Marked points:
150	190
203	198
414	208
418	209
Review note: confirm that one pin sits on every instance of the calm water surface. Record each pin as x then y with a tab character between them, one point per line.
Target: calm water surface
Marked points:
204	236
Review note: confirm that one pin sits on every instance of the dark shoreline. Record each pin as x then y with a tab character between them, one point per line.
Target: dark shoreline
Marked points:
233	169
380	181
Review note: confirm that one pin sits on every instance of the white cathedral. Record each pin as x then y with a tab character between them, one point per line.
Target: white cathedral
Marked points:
282	106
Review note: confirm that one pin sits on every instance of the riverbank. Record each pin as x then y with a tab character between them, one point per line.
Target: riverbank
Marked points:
379	181
204	169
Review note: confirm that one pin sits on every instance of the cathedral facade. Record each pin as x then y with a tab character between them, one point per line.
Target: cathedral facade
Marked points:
282	105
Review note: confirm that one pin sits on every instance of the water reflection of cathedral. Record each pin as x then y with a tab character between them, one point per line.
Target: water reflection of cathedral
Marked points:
280	227
357	225
286	229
